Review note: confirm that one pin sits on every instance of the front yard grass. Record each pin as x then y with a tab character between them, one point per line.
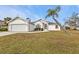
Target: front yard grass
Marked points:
40	43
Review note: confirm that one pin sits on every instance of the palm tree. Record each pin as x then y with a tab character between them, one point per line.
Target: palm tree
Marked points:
54	14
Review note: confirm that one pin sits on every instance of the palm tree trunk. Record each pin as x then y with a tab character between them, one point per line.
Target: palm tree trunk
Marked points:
61	27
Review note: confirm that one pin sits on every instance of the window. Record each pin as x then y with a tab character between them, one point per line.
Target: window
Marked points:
56	26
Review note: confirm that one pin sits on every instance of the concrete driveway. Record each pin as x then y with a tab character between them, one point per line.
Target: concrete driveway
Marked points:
6	33
9	33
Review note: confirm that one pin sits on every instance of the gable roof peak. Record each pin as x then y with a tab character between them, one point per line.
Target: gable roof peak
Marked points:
17	18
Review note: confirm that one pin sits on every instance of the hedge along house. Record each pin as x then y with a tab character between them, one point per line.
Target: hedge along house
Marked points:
18	24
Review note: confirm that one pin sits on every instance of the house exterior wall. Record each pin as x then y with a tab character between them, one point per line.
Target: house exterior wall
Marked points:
77	28
52	27
18	21
41	23
77	24
9	27
32	27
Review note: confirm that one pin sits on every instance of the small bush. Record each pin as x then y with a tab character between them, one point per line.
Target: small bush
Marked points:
41	29
38	29
3	29
74	29
67	28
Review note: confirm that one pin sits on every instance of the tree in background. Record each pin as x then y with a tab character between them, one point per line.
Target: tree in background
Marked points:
7	19
71	21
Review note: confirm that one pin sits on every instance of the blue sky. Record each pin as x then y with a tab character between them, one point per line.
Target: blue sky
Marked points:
35	12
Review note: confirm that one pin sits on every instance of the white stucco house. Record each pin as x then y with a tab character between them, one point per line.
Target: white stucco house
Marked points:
46	26
18	24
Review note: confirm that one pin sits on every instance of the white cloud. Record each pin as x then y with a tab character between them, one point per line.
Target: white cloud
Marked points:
10	11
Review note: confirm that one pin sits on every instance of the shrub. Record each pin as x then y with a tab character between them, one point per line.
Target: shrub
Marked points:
67	28
74	29
38	29
41	29
3	29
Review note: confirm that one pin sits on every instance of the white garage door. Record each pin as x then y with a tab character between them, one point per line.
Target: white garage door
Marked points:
19	27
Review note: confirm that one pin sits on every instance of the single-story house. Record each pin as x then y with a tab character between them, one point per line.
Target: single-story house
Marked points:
18	24
46	25
77	24
2	24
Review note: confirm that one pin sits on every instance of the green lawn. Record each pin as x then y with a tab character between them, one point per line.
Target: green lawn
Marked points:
41	43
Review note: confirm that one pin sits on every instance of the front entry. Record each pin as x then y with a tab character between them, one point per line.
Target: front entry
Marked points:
38	28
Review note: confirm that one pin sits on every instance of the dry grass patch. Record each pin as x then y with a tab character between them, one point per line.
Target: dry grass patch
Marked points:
49	42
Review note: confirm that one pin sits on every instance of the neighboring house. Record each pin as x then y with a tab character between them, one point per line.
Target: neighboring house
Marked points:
19	24
77	24
2	24
72	23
